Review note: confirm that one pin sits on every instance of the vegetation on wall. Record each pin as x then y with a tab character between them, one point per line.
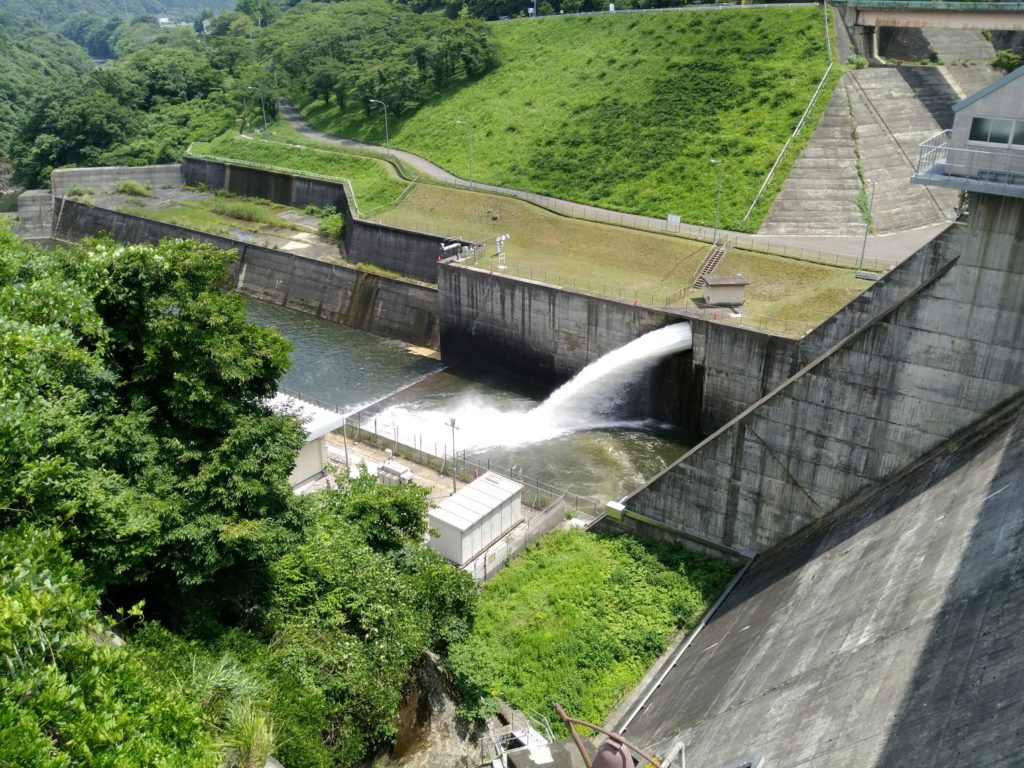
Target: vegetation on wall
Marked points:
579	619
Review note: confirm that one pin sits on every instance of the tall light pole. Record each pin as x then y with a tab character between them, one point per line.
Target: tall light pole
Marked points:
718	197
867	227
263	107
470	127
454	464
387	136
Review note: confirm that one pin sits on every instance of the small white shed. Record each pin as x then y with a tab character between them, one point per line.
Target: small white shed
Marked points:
724	290
318	422
469	521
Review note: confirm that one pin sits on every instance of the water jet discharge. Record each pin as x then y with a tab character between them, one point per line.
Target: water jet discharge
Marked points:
593	399
575	438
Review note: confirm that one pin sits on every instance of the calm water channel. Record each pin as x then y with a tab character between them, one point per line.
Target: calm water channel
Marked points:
496	418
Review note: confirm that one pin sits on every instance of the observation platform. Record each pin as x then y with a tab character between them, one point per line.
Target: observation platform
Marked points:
984	151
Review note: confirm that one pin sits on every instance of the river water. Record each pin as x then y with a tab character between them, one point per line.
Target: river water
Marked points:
497	419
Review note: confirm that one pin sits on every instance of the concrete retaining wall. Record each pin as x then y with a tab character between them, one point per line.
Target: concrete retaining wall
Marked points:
35	215
380	305
406	252
104	179
551	334
910	380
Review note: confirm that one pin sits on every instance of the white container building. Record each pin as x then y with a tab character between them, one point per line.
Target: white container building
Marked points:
318	422
469	521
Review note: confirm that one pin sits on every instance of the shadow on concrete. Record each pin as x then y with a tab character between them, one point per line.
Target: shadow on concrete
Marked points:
813	653
933	91
866	509
965	702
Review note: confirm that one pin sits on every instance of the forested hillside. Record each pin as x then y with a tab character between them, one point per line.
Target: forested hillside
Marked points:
52	12
29	65
147	105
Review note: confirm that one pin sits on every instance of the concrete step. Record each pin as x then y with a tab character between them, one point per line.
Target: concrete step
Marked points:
820	193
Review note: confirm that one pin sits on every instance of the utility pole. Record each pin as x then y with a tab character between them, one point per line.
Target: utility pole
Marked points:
387	135
454	465
470	127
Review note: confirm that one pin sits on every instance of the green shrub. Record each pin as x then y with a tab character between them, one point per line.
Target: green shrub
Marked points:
1007	60
858	62
332	226
69	695
133	188
76	190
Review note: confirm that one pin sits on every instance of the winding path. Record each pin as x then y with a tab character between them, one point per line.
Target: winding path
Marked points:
887	249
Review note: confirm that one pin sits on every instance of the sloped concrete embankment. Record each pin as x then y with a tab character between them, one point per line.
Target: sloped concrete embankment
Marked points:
946	356
384	306
869	134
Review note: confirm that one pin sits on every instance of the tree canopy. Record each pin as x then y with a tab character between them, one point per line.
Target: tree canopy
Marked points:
141	469
364	50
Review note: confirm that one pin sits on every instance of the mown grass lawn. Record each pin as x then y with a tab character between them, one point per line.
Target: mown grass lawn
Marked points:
624	111
785	295
579	619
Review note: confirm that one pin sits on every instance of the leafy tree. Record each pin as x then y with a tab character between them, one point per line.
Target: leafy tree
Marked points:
69	694
132	418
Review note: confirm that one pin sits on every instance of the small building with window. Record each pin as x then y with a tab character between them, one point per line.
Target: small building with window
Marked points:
984	151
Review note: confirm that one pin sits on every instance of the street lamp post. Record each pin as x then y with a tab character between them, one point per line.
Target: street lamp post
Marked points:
387	135
867	227
454	464
718	197
469	126
263	107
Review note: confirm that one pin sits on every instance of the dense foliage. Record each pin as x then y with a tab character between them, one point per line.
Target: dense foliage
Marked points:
625	112
132	420
144	108
579	619
357	51
29	64
50	12
68	694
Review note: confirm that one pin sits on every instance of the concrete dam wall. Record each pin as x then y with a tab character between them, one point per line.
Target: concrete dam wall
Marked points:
897	389
542	332
404	251
380	305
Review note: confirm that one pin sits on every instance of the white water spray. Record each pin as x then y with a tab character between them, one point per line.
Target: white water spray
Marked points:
590	400
595	393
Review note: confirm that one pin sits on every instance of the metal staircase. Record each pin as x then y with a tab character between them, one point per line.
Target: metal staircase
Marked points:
711	261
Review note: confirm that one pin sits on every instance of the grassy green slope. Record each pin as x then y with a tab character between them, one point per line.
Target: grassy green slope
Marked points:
625	111
579	619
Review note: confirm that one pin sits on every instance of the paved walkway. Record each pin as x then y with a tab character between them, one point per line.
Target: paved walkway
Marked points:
884	250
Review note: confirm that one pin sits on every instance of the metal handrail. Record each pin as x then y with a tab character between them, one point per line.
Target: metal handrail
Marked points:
936	157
